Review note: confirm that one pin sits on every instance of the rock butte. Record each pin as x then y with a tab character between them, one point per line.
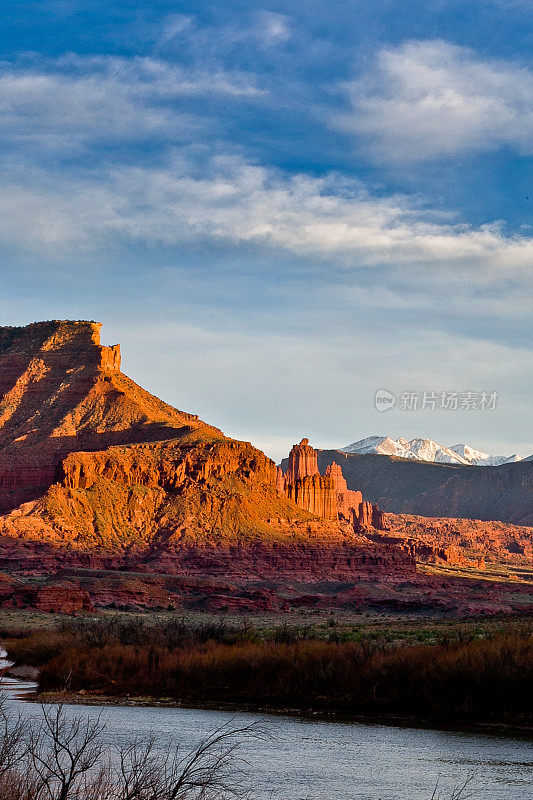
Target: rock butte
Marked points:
97	472
89	458
326	495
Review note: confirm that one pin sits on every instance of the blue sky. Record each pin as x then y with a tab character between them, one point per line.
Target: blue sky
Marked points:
279	208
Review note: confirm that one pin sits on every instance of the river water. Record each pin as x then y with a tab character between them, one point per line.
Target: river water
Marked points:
304	759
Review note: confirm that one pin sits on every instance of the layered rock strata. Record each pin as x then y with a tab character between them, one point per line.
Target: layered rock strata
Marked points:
89	458
326	495
62	391
96	473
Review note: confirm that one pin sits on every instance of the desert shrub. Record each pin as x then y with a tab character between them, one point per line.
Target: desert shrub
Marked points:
463	674
479	679
38	647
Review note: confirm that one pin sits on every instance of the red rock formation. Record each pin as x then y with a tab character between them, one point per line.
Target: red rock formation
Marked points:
302	462
97	473
336	473
461	542
346	498
257	577
453	556
326	495
378	518
61	391
362	517
304	485
316	494
88	457
63	597
368	517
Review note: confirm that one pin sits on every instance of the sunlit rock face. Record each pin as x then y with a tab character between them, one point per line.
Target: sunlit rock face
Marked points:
97	473
89	457
325	495
62	391
302	462
347	499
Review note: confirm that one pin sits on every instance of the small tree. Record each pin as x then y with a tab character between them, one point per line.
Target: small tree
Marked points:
66	755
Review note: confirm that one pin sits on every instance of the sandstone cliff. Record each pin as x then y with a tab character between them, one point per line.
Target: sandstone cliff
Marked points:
61	391
95	470
90	458
461	542
346	498
302	462
316	494
325	495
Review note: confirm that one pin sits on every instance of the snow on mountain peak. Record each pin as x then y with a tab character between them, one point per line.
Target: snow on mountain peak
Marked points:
421	449
467	452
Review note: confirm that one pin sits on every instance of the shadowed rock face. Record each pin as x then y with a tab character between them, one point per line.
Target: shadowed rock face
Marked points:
256	578
403	486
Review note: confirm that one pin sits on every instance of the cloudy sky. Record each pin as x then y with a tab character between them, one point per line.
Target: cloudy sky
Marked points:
280	208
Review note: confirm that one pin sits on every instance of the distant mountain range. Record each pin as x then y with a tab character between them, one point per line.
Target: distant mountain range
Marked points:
420	449
413	486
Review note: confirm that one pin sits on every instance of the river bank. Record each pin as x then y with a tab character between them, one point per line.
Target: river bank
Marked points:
402	721
25	673
477	679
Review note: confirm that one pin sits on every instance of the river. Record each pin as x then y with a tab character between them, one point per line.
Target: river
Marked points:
305	759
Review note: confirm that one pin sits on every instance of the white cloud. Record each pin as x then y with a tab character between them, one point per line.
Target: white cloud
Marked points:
189	195
149	174
174	25
428	99
263	29
228	200
76	99
273	28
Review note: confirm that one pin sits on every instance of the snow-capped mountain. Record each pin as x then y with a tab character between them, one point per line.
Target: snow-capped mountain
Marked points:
480	459
427	450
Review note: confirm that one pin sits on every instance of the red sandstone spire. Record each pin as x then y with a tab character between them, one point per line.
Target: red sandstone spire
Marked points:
326	495
302	461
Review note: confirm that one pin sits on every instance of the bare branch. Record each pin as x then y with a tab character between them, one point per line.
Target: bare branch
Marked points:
61	756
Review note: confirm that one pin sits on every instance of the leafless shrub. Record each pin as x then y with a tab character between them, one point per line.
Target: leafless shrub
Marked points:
13	744
64	757
212	771
459	792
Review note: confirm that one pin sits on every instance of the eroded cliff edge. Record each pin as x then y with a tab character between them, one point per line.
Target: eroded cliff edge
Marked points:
89	458
96	473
